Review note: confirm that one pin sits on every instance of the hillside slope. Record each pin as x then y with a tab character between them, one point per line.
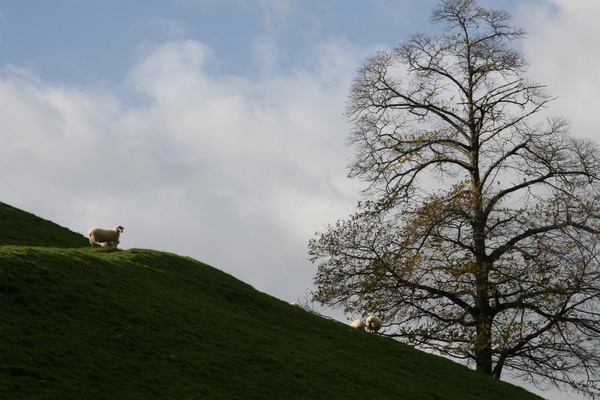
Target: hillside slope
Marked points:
140	324
18	227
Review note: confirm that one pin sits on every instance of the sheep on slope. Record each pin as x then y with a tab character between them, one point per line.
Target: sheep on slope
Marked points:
373	323
358	324
110	236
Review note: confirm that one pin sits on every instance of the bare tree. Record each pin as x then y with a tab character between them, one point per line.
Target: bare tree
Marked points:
478	236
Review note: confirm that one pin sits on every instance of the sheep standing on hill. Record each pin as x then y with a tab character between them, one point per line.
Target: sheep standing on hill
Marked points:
109	236
373	323
358	324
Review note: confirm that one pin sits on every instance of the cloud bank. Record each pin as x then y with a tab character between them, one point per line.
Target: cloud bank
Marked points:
562	47
233	172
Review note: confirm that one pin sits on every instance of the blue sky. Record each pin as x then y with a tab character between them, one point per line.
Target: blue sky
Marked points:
78	41
215	128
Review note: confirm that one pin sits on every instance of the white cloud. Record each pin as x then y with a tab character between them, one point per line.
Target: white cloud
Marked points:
233	172
168	71
562	48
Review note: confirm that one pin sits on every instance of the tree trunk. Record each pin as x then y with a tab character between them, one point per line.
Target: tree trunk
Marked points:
483	350
483	319
483	313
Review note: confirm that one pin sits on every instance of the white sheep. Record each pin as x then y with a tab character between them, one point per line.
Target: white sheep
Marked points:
109	236
373	323
296	304
358	324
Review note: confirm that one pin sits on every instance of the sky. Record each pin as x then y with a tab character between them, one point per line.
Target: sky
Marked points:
215	129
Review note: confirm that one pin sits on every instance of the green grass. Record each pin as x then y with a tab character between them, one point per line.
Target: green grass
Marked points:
88	323
18	227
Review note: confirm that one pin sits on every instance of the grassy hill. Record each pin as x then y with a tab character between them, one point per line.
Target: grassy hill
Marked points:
18	227
82	323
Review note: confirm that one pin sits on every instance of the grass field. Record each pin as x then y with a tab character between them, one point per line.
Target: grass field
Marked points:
82	323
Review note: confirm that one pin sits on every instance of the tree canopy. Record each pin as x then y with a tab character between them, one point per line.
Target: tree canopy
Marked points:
478	234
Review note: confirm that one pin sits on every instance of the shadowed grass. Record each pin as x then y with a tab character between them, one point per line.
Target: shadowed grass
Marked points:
18	227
